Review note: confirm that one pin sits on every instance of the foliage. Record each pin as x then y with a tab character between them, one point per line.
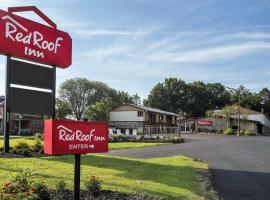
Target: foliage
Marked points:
228	131
192	99
21	181
38	146
227	112
248	132
39	136
169	95
61	186
22	185
130	145
94	184
122	138
100	111
78	94
63	109
22	148
41	191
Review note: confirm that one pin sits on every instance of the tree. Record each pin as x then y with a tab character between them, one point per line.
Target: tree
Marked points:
169	95
135	99
79	93
100	111
227	112
247	99
63	109
264	96
217	95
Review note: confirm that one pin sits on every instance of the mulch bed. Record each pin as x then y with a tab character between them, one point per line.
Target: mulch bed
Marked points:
101	195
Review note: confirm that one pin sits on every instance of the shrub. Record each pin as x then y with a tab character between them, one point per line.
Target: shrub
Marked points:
228	131
38	146
21	148
39	136
23	186
41	191
20	182
94	184
248	132
121	138
23	179
61	186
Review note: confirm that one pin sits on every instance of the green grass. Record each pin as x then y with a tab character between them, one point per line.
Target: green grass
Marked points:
171	177
128	145
16	139
112	146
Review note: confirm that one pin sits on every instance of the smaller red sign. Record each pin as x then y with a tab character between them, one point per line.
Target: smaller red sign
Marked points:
205	122
63	137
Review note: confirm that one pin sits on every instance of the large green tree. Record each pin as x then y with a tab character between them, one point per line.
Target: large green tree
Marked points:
79	94
100	110
170	95
192	99
63	109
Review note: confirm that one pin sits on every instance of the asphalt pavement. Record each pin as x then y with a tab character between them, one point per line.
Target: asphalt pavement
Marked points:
240	165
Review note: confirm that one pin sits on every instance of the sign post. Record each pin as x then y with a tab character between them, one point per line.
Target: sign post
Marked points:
77	176
7	107
64	137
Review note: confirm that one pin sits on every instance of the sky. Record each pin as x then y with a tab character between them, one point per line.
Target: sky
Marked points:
133	44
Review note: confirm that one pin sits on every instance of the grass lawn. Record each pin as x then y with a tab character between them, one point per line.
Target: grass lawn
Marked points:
171	177
112	146
15	139
128	145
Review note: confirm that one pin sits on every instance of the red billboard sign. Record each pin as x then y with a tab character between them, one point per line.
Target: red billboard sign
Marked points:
63	137
26	39
205	122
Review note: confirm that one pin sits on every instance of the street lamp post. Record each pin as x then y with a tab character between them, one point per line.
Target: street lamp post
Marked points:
239	108
239	99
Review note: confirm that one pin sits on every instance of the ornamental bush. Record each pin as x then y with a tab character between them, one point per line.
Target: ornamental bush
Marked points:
94	184
38	146
228	131
248	132
21	148
22	185
122	138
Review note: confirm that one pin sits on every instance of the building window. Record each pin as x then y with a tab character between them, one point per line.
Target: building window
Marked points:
140	113
160	117
169	119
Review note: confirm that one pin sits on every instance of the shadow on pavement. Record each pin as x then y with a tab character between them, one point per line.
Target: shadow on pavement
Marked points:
241	185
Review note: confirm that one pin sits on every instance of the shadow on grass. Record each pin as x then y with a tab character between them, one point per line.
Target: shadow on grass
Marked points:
166	174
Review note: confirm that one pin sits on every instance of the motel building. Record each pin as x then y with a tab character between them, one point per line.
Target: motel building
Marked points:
131	119
21	124
256	122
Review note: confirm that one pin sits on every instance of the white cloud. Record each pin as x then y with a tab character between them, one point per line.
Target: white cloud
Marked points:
109	32
208	54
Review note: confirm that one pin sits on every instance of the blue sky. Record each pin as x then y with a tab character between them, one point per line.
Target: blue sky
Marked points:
133	44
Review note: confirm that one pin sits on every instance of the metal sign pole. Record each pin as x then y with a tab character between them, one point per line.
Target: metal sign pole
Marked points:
54	91
7	107
77	176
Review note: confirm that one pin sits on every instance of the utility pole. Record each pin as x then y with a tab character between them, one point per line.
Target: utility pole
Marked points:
239	99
